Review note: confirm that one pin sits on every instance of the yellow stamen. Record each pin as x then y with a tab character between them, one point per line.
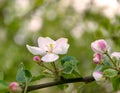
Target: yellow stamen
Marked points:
51	46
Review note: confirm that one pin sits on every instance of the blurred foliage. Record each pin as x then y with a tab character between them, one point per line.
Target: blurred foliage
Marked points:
51	18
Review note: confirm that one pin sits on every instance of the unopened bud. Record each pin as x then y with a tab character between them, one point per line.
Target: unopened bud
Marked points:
98	76
99	46
36	59
97	58
14	87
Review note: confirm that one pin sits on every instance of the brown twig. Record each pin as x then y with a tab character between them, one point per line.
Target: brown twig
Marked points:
61	81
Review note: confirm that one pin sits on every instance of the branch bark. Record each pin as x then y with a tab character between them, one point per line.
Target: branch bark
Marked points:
61	81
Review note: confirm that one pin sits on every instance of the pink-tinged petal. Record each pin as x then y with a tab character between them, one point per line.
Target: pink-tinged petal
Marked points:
116	55
50	57
61	46
97	75
102	45
97	58
95	47
35	50
62	40
14	87
99	46
44	42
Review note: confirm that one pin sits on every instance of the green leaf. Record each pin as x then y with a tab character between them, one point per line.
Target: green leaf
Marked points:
3	85
110	73
116	83
99	68
68	59
102	67
107	63
23	76
70	65
1	75
28	75
68	68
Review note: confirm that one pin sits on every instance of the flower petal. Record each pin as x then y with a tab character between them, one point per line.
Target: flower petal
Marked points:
95	47
97	58
50	57
61	46
35	50
97	75
44	42
116	55
99	46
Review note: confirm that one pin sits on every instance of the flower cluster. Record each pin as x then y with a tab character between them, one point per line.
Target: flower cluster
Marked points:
100	48
48	50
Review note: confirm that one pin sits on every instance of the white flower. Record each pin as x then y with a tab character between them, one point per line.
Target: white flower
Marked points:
49	49
116	55
99	46
97	75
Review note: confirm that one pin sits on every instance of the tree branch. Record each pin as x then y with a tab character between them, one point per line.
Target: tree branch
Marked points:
61	81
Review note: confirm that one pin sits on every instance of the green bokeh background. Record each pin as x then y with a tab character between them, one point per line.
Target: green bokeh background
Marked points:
57	21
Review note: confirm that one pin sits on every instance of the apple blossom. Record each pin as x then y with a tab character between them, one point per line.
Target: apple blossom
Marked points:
49	49
14	87
99	46
97	58
97	75
116	55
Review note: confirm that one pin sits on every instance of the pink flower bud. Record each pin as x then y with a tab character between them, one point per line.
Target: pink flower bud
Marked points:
99	46
97	58
14	87
36	59
97	75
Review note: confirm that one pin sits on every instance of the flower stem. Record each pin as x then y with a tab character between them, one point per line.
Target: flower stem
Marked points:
110	59
25	90
41	64
55	70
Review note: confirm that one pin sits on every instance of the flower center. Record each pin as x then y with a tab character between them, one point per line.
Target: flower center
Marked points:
50	48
